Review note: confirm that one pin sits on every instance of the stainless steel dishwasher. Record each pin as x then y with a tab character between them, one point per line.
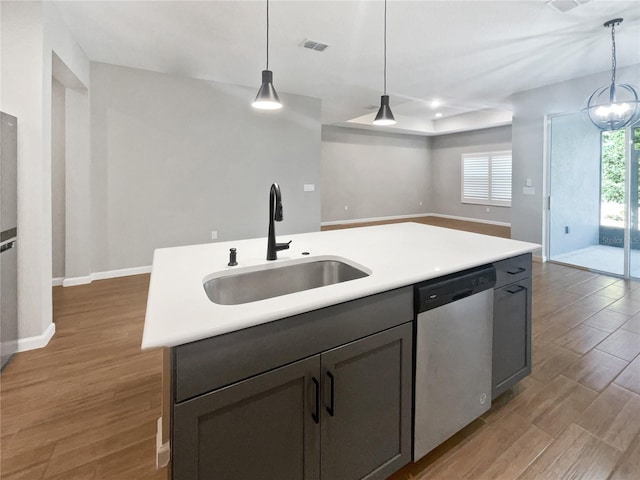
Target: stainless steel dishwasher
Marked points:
454	331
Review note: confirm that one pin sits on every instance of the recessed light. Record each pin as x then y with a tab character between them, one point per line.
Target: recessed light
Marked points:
435	103
438	115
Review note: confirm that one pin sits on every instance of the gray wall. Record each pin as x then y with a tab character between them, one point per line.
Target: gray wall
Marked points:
574	184
528	134
57	179
446	171
373	174
174	159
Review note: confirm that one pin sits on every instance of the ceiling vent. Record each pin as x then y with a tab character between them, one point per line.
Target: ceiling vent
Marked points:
563	6
312	45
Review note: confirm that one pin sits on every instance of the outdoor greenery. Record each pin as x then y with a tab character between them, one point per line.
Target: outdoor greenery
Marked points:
613	165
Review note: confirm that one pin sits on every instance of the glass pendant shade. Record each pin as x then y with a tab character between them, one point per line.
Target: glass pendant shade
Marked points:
384	116
616	105
267	98
613	106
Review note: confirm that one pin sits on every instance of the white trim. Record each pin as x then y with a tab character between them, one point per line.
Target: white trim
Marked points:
72	282
469	219
163	452
123	272
374	219
546	186
57	281
417	215
39	341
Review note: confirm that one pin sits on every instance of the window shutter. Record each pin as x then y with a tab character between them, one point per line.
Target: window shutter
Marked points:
501	178
486	178
476	179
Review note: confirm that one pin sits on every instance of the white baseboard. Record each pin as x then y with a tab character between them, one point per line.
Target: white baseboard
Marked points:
73	281
469	219
123	272
417	215
374	219
57	281
39	341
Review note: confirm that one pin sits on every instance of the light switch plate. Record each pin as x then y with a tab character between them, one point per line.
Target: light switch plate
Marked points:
309	187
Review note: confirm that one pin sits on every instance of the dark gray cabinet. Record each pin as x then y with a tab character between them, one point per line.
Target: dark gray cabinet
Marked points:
512	325
366	422
261	427
251	404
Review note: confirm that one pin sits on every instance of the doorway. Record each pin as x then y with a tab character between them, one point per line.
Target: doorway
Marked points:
593	196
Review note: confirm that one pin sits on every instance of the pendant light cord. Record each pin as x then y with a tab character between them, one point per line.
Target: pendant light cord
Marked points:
385	47
268	34
613	53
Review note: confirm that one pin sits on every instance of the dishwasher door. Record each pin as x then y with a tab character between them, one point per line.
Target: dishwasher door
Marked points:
453	368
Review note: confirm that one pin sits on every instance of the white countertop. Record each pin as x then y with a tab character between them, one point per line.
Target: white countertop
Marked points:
179	311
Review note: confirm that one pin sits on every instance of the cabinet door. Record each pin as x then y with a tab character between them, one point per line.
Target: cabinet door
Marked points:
511	335
366	419
262	427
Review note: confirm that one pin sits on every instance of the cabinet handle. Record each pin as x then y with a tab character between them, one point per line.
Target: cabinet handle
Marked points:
516	289
516	271
316	414
330	408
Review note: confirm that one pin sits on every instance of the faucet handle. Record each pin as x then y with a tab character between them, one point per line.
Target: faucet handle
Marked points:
283	246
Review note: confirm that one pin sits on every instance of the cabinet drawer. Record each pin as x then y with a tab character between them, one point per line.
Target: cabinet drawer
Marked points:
513	270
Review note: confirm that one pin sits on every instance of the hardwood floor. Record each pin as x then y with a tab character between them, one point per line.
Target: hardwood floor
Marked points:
85	407
485	228
578	414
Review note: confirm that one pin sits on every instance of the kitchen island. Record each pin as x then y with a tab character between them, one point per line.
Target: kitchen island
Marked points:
314	384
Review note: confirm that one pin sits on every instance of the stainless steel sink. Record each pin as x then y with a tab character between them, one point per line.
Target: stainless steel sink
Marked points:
251	286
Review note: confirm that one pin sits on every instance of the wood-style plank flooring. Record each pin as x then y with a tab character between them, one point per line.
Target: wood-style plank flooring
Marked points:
484	228
85	407
577	416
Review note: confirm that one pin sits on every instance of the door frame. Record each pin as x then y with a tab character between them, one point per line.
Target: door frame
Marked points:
546	208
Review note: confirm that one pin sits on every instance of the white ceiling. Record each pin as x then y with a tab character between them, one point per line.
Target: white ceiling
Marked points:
470	54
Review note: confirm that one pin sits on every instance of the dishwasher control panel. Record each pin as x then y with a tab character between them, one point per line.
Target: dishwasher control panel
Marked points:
450	288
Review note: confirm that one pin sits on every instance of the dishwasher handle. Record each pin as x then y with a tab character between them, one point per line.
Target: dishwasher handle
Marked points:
461	294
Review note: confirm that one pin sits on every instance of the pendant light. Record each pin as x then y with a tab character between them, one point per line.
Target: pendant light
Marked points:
384	116
613	106
267	98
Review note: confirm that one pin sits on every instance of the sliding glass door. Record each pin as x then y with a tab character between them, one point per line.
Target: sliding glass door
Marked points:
593	205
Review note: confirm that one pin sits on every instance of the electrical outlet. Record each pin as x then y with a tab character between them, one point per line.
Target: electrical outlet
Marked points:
309	187
214	235
420	203
346	207
488	209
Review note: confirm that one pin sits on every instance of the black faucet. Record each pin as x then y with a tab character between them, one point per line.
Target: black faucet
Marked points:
275	214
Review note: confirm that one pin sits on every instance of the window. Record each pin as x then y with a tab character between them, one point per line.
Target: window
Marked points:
486	178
